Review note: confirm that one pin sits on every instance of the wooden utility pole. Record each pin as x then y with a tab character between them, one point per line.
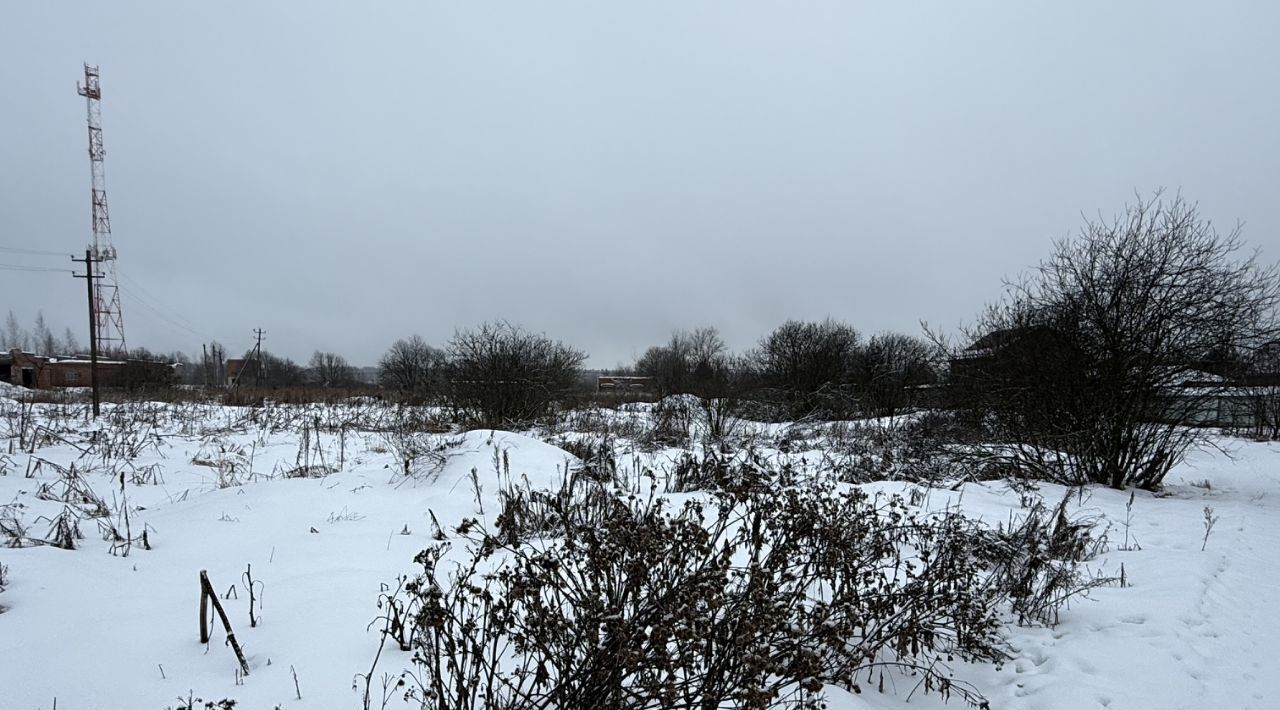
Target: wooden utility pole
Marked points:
88	277
257	357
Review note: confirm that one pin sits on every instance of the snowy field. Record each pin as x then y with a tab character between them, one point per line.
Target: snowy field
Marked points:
324	508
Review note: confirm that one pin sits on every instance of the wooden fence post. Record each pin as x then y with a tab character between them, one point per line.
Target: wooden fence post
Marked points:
207	596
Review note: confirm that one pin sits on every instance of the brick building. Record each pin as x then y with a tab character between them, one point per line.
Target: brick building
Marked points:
241	371
41	372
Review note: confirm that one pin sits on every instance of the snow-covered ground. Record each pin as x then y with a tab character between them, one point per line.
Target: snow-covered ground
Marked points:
1194	629
89	629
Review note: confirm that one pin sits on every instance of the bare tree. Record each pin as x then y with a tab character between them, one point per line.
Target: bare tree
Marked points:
14	335
272	371
42	339
70	344
1083	365
330	370
503	375
808	367
687	364
412	367
667	367
891	364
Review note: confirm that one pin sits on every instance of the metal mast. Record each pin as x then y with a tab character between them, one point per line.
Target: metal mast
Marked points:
106	291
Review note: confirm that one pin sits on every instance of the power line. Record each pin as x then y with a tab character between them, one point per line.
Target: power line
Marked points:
173	319
173	326
26	267
158	314
35	252
141	294
157	307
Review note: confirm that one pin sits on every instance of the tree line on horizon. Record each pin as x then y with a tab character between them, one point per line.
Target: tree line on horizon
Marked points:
1093	366
1072	368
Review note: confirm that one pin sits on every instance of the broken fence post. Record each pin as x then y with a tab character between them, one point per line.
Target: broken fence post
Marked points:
207	596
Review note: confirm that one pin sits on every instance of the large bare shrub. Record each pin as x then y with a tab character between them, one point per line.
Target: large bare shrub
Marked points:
892	364
503	375
808	368
1081	367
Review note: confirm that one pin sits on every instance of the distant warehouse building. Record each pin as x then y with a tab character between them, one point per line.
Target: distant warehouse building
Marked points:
43	372
616	384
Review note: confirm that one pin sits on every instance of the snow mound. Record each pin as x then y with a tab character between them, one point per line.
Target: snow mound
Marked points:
499	458
12	392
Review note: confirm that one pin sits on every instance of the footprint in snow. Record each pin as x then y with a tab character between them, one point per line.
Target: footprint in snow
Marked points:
1085	666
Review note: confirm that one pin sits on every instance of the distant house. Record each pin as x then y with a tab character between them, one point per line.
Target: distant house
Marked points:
1003	361
241	371
1198	397
45	372
993	354
1247	402
616	384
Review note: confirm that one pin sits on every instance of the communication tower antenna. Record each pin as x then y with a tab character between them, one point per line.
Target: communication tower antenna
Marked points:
106	291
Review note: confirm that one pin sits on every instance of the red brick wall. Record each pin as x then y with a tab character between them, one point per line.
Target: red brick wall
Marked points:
79	373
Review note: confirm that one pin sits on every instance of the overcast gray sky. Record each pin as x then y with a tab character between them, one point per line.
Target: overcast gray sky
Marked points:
344	175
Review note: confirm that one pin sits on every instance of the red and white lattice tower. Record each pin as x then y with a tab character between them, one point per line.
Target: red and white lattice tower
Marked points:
106	290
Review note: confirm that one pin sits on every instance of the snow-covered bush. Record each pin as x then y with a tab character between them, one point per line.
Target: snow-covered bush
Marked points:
715	470
669	422
419	454
754	599
64	529
1087	355
13	528
598	458
1036	561
528	513
929	447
